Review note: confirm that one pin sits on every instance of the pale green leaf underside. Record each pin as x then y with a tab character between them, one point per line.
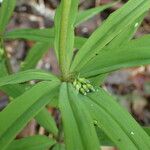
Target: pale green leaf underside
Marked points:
37	142
118	125
27	106
25	76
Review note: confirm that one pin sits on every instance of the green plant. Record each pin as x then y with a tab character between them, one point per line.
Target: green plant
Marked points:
84	107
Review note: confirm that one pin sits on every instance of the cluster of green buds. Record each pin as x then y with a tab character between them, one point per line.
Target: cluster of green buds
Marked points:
83	86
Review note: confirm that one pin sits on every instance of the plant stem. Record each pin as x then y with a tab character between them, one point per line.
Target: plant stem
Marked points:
64	61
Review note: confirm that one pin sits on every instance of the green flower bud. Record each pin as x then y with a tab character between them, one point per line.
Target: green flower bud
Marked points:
78	86
91	87
85	88
75	82
82	80
82	91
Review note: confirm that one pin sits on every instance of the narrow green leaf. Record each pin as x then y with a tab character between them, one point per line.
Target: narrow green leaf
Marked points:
25	76
64	32
5	14
71	132
118	125
127	33
84	121
38	35
105	141
134	53
87	14
122	38
37	142
26	107
147	130
45	119
14	90
109	30
38	50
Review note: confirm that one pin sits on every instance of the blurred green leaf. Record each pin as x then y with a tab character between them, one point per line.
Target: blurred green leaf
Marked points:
5	14
34	55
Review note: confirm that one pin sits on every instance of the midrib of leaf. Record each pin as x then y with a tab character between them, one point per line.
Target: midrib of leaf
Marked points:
68	108
77	123
95	48
78	108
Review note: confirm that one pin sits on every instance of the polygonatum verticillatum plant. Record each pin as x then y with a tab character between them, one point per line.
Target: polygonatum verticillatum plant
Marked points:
84	107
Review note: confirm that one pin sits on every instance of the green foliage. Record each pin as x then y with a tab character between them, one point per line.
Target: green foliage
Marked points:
89	117
37	142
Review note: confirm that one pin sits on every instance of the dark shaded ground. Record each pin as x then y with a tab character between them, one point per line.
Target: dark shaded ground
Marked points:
131	86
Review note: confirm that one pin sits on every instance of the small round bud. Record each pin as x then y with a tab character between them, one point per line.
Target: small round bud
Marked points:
85	88
82	91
